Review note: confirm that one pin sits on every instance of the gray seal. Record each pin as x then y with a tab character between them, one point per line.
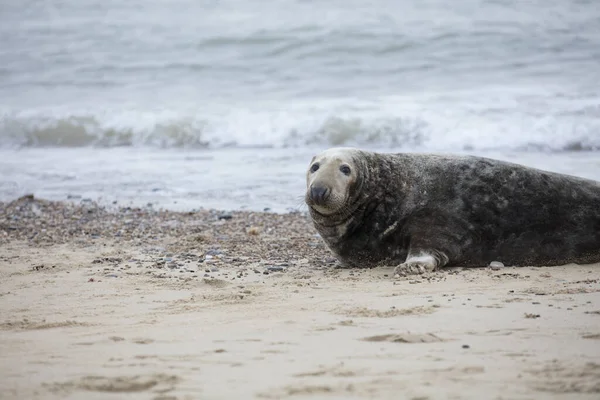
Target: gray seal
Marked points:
420	212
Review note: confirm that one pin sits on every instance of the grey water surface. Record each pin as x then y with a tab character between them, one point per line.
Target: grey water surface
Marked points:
222	103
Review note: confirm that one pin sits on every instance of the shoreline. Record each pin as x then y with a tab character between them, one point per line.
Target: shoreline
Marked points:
158	304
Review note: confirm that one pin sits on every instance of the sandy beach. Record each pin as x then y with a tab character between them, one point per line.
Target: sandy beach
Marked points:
136	303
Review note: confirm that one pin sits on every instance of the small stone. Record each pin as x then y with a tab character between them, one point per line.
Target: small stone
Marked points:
466	346
496	265
253	231
225	217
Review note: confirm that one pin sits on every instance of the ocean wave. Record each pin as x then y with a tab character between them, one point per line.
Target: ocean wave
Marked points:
86	130
246	129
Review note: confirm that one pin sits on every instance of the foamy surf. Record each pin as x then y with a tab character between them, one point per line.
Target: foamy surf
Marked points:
408	129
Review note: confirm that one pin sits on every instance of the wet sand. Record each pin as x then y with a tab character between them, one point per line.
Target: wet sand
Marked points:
100	303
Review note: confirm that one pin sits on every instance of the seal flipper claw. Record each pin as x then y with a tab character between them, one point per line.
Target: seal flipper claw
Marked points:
417	265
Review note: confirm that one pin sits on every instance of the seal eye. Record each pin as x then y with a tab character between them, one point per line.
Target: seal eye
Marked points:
345	169
314	167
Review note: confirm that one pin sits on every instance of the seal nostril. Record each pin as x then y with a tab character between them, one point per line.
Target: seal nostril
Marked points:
319	193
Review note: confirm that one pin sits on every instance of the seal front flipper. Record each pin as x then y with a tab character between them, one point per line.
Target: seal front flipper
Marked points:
420	261
435	239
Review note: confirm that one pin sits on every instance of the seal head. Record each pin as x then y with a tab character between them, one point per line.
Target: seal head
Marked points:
331	180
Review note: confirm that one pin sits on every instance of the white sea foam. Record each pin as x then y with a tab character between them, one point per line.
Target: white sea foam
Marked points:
396	124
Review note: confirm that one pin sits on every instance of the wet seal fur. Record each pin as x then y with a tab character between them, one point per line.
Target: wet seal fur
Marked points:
420	212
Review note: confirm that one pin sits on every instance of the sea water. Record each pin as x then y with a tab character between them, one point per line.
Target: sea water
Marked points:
221	104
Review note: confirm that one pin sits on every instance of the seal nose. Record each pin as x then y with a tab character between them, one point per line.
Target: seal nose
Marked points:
319	194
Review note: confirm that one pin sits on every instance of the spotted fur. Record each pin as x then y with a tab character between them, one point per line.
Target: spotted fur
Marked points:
425	211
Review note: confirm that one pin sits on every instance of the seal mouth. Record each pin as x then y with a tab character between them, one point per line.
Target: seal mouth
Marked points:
321	200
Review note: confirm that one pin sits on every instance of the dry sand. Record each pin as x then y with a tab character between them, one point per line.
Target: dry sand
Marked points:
143	304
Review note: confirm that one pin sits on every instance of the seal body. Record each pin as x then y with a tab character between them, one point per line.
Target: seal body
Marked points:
424	211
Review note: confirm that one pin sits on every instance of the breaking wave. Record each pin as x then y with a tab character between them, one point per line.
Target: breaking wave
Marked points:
247	129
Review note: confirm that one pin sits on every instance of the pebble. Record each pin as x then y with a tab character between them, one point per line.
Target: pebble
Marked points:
496	265
224	244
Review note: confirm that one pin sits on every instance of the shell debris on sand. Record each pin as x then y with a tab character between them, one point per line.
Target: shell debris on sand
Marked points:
204	244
